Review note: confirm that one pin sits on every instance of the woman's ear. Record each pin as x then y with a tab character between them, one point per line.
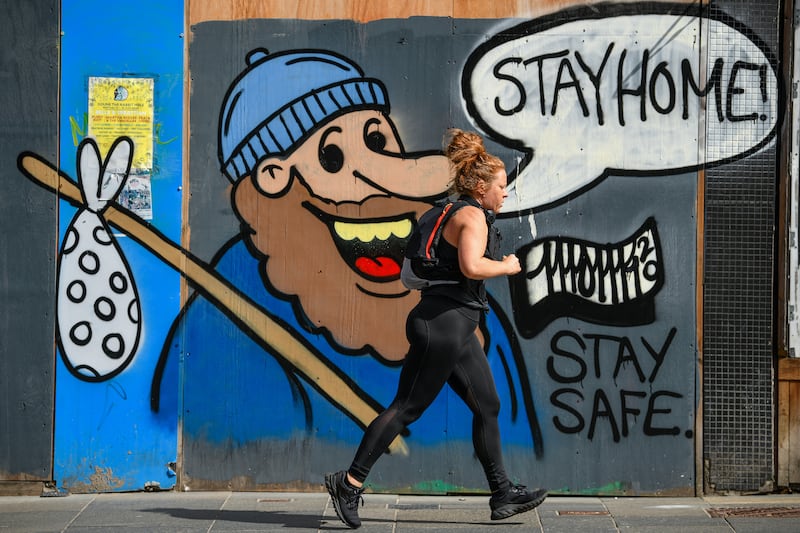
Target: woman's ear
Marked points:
272	177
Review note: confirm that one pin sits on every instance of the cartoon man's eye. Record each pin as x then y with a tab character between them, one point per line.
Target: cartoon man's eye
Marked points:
373	137
375	141
331	158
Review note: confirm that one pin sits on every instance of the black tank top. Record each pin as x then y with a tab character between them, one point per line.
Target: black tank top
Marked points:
469	292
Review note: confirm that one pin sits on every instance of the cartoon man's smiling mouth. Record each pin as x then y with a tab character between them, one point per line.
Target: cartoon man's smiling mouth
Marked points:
371	247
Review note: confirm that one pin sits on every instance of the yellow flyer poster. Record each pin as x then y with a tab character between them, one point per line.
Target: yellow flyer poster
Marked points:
124	106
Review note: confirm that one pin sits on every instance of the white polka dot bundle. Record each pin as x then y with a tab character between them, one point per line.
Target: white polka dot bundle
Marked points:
98	305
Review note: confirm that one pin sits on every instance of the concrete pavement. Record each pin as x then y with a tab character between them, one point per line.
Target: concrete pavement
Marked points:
171	511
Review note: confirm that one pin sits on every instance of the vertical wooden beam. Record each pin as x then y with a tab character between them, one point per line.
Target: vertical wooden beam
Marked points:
788	422
783	433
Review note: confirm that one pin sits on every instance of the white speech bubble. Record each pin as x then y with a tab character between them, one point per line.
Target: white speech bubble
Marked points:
590	93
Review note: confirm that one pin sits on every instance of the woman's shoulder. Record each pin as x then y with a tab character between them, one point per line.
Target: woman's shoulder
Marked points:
470	214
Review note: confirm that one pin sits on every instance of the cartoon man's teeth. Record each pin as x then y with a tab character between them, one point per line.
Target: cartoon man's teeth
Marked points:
366	232
373	248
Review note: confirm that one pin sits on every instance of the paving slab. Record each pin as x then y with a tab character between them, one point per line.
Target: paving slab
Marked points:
150	511
238	512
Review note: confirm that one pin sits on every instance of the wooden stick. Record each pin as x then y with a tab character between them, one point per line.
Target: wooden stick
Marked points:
221	293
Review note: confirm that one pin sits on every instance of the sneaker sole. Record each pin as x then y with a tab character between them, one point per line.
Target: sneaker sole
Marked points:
512	509
330	484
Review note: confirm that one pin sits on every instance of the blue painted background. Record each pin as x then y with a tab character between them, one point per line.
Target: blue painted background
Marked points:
106	436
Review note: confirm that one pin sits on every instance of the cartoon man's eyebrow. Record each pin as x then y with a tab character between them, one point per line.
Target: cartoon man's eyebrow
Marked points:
328	131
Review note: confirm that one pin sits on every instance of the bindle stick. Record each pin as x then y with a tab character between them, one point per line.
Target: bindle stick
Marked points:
221	293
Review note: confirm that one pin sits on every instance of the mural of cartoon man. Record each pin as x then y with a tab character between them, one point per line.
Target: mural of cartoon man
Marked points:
326	196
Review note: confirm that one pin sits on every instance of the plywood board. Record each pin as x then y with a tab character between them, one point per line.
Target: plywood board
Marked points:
366	10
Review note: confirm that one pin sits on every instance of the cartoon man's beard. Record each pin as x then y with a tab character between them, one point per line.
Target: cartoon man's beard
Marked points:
303	261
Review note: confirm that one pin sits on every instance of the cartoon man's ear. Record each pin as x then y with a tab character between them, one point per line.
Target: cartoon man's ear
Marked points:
273	176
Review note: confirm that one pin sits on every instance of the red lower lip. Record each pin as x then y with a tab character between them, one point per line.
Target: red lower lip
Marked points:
378	267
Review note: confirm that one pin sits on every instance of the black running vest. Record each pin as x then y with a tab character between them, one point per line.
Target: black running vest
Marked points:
469	292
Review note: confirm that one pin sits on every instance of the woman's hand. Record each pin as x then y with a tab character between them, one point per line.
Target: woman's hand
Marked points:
512	263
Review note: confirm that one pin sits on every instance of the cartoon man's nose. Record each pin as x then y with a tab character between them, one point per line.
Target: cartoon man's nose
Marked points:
416	176
381	175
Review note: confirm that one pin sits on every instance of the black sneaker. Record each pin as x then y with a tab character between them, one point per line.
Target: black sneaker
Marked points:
345	498
517	499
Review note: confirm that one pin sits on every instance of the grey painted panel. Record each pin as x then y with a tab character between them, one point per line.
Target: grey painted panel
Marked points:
28	121
420	62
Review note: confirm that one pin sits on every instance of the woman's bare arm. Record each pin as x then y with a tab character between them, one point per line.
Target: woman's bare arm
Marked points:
468	231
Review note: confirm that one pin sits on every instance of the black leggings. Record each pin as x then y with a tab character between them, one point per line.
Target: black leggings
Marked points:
443	349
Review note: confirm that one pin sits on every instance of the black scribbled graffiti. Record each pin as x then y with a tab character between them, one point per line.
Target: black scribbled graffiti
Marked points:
612	284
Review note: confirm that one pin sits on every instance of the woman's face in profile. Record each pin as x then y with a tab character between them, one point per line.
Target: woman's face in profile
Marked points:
495	193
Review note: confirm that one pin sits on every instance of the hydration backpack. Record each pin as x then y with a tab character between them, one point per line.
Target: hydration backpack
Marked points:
422	266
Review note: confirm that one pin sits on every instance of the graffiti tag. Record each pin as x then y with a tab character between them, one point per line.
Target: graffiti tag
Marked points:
611	284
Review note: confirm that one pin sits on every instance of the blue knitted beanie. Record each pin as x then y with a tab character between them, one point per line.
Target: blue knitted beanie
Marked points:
280	99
